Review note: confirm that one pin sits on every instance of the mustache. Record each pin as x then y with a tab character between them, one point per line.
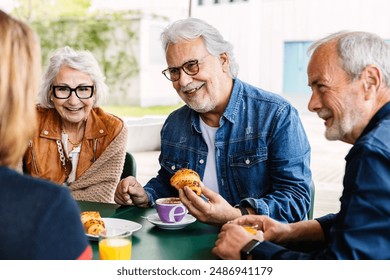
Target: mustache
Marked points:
192	87
324	113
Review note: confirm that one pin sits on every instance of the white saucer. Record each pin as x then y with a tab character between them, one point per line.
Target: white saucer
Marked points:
155	219
117	224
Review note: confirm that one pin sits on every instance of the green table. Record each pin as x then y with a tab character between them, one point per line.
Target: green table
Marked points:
193	242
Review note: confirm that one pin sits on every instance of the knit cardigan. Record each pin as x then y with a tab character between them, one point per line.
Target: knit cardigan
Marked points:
99	182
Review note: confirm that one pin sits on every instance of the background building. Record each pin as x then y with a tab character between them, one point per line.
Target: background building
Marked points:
270	39
271	36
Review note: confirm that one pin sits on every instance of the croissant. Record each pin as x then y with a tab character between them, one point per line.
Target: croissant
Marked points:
92	221
186	177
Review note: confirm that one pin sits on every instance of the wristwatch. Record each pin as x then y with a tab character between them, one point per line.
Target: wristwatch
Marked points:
246	251
243	210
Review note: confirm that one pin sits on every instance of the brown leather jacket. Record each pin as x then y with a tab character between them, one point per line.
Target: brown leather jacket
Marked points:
42	158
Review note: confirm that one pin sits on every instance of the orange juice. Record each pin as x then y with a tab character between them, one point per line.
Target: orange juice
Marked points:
251	229
115	249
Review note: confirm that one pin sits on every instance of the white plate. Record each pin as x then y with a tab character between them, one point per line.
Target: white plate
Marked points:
155	219
117	224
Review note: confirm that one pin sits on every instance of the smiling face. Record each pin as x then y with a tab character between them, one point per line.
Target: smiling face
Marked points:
209	89
335	98
73	110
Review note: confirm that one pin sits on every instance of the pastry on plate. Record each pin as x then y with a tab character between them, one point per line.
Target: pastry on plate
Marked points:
92	222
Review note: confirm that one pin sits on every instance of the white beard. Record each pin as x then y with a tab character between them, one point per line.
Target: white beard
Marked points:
340	128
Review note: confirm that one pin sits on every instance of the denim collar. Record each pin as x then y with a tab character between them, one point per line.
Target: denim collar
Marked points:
233	106
231	110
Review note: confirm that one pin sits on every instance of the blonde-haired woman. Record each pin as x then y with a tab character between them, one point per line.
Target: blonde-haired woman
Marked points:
32	211
77	144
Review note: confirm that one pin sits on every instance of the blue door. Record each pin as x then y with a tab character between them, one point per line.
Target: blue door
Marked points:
295	68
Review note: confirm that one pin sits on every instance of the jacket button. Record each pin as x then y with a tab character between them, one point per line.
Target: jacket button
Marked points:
201	161
173	167
101	131
247	161
46	132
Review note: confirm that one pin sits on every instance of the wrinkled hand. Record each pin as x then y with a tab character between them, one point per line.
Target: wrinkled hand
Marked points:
273	230
130	192
231	239
216	211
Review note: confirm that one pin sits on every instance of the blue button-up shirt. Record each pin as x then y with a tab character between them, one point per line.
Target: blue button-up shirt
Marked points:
261	151
361	230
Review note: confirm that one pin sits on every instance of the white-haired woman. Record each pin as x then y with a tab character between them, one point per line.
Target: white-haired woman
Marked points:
77	144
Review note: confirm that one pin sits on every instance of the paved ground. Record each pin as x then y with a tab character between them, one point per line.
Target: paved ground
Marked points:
327	161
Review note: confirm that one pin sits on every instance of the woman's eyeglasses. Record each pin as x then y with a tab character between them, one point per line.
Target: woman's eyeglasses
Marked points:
64	92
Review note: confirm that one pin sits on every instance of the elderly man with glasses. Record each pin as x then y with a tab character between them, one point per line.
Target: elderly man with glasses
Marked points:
77	144
248	145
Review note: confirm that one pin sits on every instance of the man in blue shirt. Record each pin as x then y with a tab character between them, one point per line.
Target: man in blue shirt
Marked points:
349	73
248	145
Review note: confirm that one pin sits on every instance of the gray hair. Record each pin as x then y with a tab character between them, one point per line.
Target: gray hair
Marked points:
83	61
193	28
357	50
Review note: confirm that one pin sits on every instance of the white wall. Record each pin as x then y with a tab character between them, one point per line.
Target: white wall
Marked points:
239	24
172	9
155	89
259	28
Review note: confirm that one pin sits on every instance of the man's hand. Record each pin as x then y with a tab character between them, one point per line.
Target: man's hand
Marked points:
283	233
231	239
130	192
214	211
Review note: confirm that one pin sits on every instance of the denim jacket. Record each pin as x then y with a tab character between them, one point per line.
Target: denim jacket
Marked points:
261	150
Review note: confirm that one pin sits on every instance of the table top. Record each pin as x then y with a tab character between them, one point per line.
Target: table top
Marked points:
193	242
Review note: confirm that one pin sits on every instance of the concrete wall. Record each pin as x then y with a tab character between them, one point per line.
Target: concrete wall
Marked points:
144	133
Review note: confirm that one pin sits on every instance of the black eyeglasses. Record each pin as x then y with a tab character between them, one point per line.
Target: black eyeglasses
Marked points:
190	68
64	92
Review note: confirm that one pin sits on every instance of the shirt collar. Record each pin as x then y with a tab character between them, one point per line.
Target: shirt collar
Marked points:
232	108
383	113
51	125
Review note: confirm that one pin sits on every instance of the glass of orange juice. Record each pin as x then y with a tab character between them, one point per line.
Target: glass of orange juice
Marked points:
250	229
115	245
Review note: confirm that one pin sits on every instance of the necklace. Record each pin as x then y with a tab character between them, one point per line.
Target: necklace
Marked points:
74	144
